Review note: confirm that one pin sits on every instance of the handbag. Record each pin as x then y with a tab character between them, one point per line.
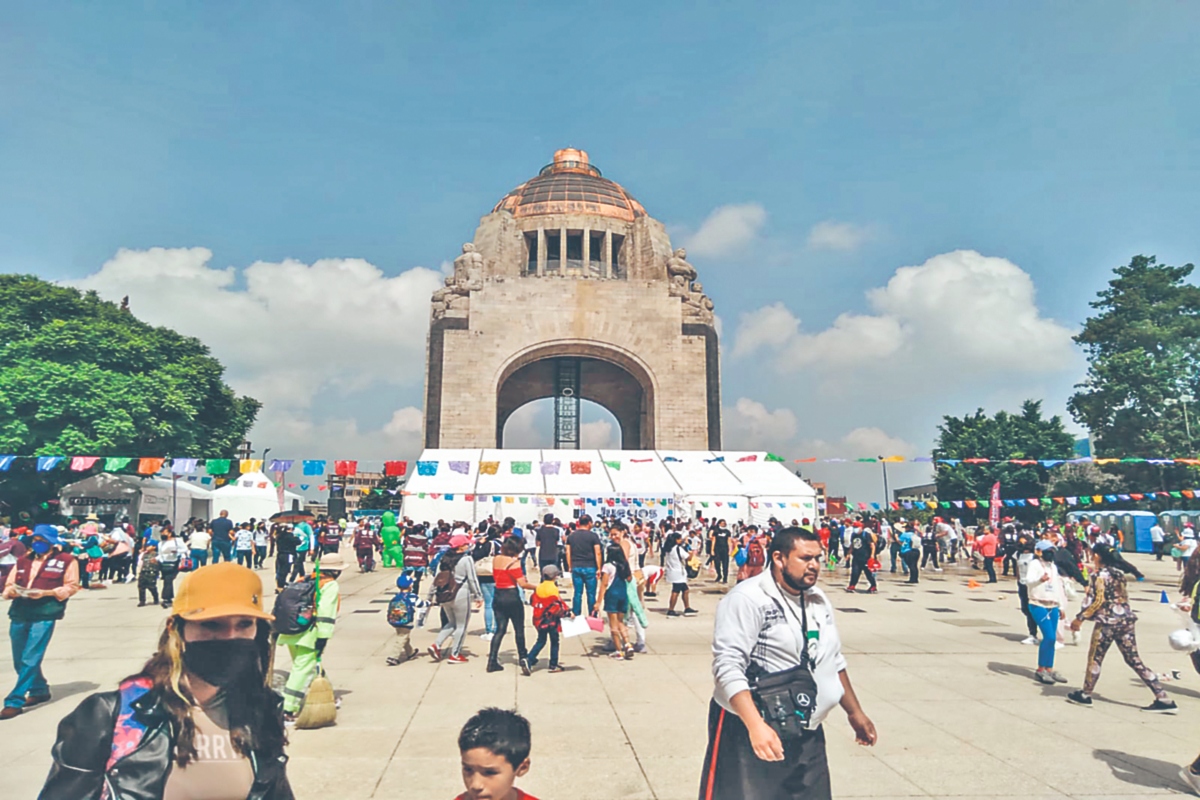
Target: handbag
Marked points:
186	564
786	699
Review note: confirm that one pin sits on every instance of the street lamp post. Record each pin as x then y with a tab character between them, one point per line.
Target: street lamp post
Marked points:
886	494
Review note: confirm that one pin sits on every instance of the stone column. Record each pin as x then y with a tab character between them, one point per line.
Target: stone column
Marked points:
562	251
587	252
608	273
541	246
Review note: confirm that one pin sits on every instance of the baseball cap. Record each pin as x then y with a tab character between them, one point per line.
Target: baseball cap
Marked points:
1043	545
550	572
220	590
459	541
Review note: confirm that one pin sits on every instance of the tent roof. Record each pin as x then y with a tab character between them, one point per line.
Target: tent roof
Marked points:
249	484
640	472
112	484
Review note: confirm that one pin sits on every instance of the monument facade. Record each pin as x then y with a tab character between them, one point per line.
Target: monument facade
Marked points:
571	291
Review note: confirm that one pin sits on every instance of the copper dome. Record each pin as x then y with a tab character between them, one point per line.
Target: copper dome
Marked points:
571	185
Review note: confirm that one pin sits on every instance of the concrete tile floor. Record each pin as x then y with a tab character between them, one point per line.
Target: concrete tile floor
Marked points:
951	693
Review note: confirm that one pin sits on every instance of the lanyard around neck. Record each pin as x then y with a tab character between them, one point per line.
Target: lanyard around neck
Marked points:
801	644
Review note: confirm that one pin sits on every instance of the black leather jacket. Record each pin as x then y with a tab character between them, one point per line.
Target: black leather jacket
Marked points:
85	744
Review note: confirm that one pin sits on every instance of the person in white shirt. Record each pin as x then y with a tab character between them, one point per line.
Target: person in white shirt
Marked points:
243	546
1156	540
1047	598
773	623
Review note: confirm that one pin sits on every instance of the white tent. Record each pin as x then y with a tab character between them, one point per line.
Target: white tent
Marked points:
253	495
110	495
526	484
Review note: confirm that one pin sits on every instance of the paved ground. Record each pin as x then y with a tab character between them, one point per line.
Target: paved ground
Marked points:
938	667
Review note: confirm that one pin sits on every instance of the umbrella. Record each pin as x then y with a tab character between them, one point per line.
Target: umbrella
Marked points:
292	516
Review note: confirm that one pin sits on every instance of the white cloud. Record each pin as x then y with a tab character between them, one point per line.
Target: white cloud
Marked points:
597	435
749	425
726	230
843	236
337	333
859	443
959	310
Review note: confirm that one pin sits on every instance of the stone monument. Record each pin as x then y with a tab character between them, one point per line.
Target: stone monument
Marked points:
570	290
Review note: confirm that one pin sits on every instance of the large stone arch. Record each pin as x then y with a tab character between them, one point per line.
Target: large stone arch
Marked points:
609	376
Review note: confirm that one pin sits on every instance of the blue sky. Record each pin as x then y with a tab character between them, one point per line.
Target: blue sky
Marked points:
1057	138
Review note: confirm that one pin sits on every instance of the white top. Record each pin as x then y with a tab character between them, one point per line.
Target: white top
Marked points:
199	540
170	551
1045	593
1156	533
673	568
244	539
758	622
262	538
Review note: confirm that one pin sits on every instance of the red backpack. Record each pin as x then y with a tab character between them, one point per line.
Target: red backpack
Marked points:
755	555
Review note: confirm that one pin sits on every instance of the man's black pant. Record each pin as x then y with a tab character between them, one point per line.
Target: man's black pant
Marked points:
989	566
911	558
283	568
857	567
1157	547
1010	558
1023	594
721	561
733	772
930	548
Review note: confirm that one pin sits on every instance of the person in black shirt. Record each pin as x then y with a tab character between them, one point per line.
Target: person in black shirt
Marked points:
221	530
719	540
548	537
285	554
862	550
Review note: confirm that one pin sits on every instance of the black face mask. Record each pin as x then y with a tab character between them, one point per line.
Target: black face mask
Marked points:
220	662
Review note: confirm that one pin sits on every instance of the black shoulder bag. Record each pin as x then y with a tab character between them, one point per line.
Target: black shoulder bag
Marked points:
787	699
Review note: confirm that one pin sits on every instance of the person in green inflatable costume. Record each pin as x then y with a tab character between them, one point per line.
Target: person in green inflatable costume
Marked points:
393	549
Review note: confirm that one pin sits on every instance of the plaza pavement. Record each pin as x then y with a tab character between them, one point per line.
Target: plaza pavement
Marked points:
938	668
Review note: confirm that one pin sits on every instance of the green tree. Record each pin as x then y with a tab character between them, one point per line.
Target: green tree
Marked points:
1143	350
81	376
1024	436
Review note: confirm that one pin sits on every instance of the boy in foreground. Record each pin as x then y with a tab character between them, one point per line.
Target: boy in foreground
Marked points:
495	752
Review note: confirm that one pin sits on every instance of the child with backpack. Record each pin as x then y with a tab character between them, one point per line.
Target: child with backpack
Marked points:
549	610
405	610
148	572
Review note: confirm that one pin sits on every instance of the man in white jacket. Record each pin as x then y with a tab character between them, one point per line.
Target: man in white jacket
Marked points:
763	626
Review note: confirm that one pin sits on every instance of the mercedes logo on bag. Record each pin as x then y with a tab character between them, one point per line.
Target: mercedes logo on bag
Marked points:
803	700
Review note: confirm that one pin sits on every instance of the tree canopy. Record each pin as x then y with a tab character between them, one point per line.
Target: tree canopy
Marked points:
1004	436
82	376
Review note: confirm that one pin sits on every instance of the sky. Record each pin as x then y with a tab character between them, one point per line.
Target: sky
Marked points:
900	209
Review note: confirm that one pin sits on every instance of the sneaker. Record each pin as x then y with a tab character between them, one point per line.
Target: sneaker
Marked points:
1079	698
640	647
531	661
851	589
392	662
1057	677
524	665
1191	779
687	612
494	666
487	637
1043	676
1029	640
1161	707
456	659
616	656
1058	645
628	653
873	590
434	652
555	668
289	720
937	569
674	614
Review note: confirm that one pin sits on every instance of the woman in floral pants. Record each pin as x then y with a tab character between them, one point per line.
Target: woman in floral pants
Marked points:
1107	604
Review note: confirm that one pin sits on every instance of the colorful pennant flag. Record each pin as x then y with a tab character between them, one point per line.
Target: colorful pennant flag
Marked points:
489	468
550	467
395	468
184	466
47	463
427	467
521	467
6	462
213	466
117	464
461	467
149	466
249	465
345	468
613	465
83	463
314	467
581	468
280	464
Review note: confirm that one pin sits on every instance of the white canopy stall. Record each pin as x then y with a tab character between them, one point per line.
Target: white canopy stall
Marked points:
252	495
111	496
470	485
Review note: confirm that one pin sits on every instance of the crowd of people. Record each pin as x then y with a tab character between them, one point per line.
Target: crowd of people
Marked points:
497	569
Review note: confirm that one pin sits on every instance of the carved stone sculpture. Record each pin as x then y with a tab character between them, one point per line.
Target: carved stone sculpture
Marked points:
680	273
467	277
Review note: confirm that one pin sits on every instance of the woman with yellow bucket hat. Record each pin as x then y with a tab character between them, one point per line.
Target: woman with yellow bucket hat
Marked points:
198	720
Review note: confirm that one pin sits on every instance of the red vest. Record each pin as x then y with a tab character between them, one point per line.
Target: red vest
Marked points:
50	576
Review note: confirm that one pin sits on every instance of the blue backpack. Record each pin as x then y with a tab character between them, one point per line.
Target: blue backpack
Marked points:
400	611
